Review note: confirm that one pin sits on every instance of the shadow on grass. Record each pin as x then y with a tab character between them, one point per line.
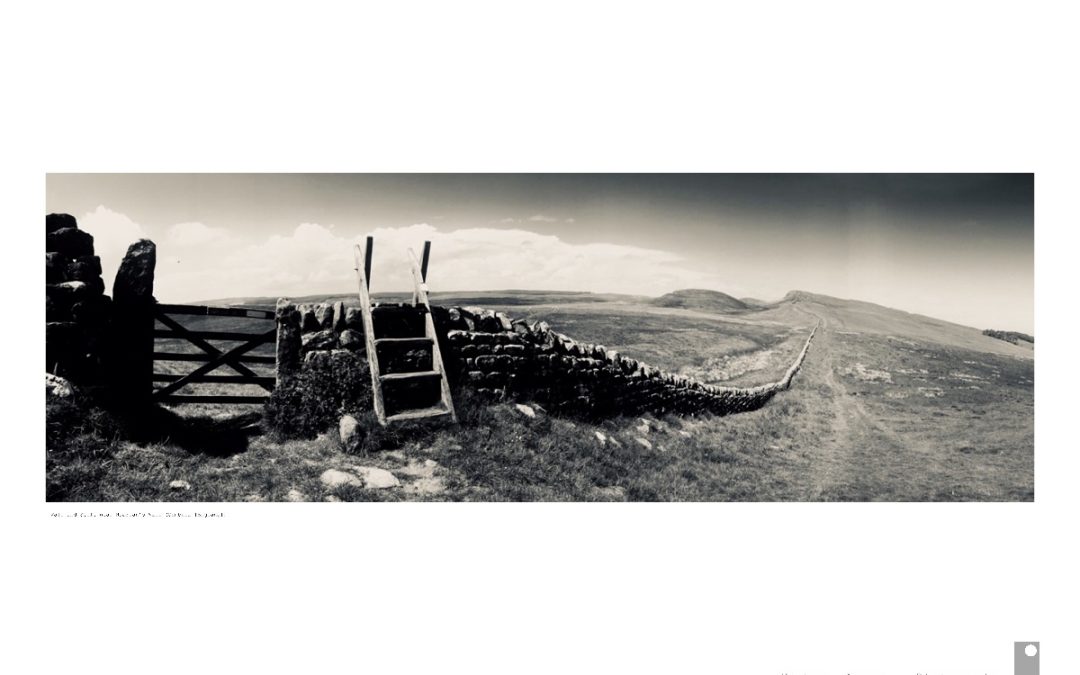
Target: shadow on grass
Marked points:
211	435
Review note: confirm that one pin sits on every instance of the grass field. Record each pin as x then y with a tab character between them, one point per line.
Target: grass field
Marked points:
888	406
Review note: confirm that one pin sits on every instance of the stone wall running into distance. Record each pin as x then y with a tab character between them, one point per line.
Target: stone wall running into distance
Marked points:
509	359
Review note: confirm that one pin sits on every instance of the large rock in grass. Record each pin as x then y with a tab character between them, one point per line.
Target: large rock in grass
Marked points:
376	478
70	241
58	387
135	279
333	478
351	433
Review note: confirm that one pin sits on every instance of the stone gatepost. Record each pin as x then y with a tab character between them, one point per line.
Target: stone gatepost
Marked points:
288	340
133	338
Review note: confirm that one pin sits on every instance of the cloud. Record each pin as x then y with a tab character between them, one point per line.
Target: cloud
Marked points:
113	232
195	234
200	262
541	218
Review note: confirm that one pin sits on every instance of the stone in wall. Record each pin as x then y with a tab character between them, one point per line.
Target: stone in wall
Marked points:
70	242
59	221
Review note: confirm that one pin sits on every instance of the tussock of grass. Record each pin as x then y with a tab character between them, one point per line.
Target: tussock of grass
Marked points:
80	441
323	391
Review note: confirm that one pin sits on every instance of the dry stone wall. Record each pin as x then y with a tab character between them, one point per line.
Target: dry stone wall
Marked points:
314	331
77	311
509	359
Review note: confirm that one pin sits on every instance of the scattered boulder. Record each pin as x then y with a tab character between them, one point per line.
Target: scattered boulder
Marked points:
351	433
376	478
331	498
295	495
58	386
254	498
180	485
333	478
525	410
644	443
601	437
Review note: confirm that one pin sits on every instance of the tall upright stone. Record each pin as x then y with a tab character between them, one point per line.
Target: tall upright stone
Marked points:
133	340
134	282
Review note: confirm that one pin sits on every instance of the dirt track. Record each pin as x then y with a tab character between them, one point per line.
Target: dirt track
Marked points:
861	454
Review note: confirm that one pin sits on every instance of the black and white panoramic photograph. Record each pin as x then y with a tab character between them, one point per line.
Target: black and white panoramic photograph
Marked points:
539	337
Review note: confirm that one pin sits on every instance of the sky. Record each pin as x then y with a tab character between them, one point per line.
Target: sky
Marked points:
954	246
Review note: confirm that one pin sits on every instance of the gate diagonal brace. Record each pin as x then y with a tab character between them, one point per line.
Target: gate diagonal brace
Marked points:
221	359
210	349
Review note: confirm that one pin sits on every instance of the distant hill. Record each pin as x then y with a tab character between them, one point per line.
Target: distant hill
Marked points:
754	302
858	316
696	298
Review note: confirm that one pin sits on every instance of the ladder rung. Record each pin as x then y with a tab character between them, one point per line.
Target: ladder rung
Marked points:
436	411
403	340
410	376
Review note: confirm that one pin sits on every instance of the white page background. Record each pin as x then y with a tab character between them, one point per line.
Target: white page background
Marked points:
542	588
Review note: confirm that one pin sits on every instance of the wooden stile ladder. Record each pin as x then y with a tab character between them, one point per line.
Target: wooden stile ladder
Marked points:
420	305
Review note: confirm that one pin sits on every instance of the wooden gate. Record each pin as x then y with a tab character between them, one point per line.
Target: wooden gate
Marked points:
212	357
